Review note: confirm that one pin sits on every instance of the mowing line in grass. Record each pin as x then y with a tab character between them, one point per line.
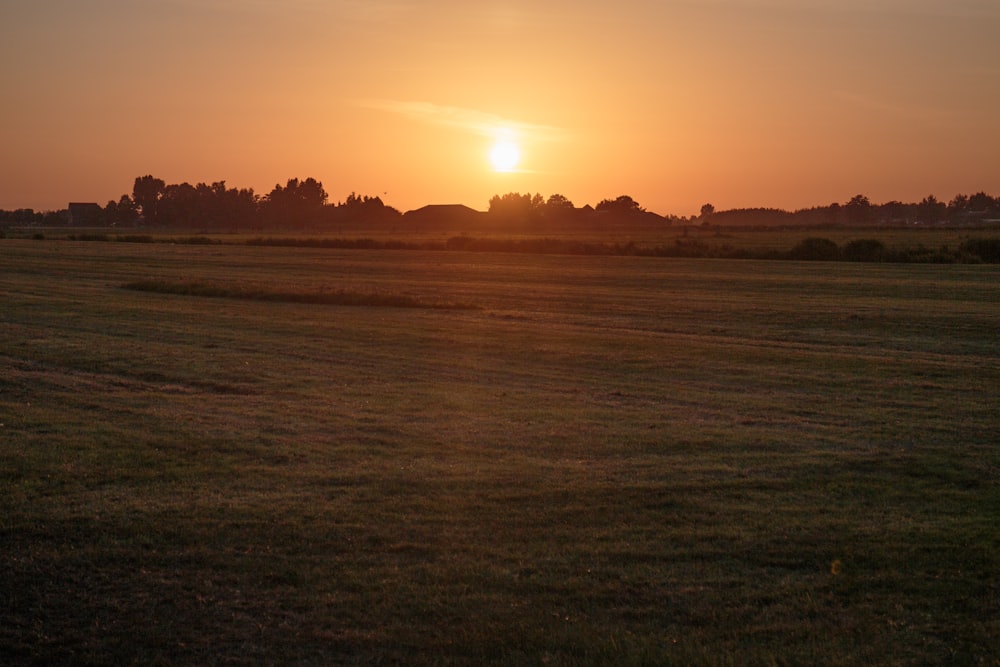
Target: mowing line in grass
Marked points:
327	298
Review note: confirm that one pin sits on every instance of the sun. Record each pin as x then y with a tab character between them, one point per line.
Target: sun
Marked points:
504	155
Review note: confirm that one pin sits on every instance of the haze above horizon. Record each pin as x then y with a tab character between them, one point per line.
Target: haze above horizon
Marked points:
741	103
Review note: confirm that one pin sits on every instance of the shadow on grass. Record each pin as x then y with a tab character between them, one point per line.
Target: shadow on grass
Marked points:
327	298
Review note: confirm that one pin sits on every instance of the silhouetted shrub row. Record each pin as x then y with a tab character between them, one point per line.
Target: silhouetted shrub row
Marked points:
970	251
811	249
546	246
344	244
89	237
329	298
145	238
987	250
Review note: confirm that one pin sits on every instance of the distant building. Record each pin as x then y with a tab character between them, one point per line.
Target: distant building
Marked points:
84	214
445	215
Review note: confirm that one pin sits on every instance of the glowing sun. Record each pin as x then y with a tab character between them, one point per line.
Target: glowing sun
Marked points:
504	155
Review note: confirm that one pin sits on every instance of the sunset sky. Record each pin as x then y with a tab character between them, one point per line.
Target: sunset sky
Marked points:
740	103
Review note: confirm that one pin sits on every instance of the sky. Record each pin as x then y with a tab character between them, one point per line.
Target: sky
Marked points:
676	103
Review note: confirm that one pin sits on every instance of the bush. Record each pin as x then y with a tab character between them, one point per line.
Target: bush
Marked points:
866	250
815	250
924	255
987	250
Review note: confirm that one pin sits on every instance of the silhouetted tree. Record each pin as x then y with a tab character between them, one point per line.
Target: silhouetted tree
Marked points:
146	193
834	211
706	211
122	212
557	207
296	204
983	202
179	205
22	216
859	209
55	218
623	205
237	206
894	211
363	208
958	206
515	207
931	210
558	202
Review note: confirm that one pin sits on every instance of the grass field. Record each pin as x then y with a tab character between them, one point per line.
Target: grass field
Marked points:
589	460
762	239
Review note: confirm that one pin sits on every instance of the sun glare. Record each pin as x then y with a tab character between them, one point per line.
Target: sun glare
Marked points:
504	155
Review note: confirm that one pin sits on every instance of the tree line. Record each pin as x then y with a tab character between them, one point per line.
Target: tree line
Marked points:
305	204
860	211
969	251
153	203
297	204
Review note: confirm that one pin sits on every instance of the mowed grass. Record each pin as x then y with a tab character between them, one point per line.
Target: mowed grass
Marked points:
609	460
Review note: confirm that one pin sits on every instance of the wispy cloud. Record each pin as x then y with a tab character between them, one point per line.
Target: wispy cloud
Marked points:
364	11
474	121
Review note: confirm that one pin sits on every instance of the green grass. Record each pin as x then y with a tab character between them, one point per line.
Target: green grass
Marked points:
611	460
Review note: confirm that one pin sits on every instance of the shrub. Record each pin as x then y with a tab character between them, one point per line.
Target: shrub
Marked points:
815	250
924	255
866	250
987	250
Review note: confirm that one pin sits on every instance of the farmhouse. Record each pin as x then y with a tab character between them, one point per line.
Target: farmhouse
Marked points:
447	215
83	214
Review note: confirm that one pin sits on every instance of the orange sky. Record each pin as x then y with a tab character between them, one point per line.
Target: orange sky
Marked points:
784	103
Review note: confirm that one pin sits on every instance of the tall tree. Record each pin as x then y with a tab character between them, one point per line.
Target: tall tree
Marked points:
363	208
182	204
983	202
515	207
932	210
559	207
859	209
296	204
147	193
122	212
622	205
